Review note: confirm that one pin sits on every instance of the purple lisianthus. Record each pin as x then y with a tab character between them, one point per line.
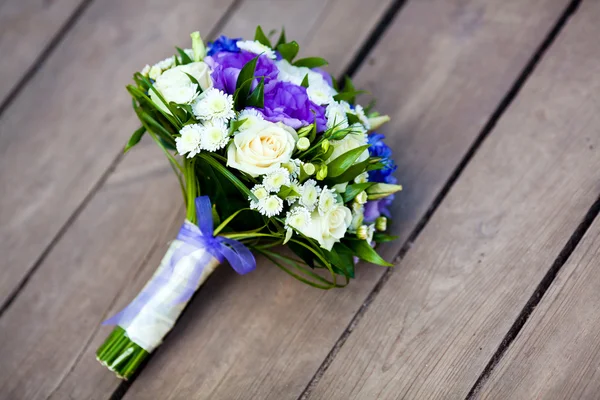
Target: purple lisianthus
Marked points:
377	208
378	148
223	43
289	103
226	67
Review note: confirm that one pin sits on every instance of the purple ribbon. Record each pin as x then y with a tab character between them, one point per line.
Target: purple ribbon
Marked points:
193	238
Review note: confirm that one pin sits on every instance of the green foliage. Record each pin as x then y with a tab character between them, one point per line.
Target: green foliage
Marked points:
282	38
353	190
288	50
257	97
379	237
311	62
185	59
341	164
364	251
305	81
135	138
244	84
260	37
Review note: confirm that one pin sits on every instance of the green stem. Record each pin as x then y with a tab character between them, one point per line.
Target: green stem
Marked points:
120	354
191	187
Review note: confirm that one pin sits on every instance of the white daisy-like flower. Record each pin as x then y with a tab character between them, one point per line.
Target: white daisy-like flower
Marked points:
309	194
362	178
260	193
336	116
215	135
298	218
256	47
166	63
189	141
214	103
270	206
275	179
293	167
327	201
362	117
252	118
321	94
297	188
145	70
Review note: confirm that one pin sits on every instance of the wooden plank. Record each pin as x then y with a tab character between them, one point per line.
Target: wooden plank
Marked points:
26	29
105	247
55	147
556	354
264	335
446	308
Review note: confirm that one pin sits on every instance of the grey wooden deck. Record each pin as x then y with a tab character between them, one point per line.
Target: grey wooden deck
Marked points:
495	111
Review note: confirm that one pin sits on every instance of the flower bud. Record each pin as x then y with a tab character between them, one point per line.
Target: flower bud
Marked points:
362	232
303	143
198	47
325	145
309	168
361	198
381	224
376	122
322	174
362	178
381	190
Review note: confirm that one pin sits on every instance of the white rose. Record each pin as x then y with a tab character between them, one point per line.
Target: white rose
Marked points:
350	142
262	148
329	228
175	86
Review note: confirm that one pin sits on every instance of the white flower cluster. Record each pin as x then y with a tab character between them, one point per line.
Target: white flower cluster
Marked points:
267	201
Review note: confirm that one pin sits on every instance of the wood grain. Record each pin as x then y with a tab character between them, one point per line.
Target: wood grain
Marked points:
556	354
26	29
264	335
105	248
67	126
448	305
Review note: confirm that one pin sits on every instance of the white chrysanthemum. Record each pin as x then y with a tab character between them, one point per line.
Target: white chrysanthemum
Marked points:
256	47
362	178
298	218
336	116
215	135
260	193
275	179
362	117
293	167
321	94
270	206
145	70
166	63
309	194
252	119
327	201
214	103
189	141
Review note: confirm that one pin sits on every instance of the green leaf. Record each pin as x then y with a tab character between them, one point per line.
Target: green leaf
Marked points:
350	173
343	258
348	85
379	237
352	118
195	81
288	50
364	251
155	127
353	190
244	83
227	174
185	59
260	37
257	97
247	72
305	82
303	253
311	62
282	38
340	164
135	138
349	96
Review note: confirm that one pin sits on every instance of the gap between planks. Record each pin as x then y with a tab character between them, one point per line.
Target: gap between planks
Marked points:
40	60
361	55
112	166
548	278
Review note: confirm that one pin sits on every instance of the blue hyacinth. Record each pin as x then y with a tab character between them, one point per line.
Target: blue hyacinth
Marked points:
223	43
378	148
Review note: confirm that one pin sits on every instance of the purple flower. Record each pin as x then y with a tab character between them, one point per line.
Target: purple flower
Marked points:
289	103
226	67
377	208
325	75
378	148
223	43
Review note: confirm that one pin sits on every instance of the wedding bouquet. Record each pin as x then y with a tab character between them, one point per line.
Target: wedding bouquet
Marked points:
269	151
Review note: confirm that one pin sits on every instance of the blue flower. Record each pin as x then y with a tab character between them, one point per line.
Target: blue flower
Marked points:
378	148
223	43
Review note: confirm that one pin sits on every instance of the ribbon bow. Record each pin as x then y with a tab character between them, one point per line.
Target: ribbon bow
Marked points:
193	238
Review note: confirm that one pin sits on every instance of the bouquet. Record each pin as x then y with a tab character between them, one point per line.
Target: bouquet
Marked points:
269	151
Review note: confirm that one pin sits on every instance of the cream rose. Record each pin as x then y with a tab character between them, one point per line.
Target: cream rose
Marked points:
175	86
329	228
261	148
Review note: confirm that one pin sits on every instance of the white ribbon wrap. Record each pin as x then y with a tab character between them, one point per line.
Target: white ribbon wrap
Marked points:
157	317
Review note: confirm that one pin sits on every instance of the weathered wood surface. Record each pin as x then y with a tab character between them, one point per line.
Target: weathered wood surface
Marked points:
448	305
55	147
105	247
264	335
27	27
556	354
